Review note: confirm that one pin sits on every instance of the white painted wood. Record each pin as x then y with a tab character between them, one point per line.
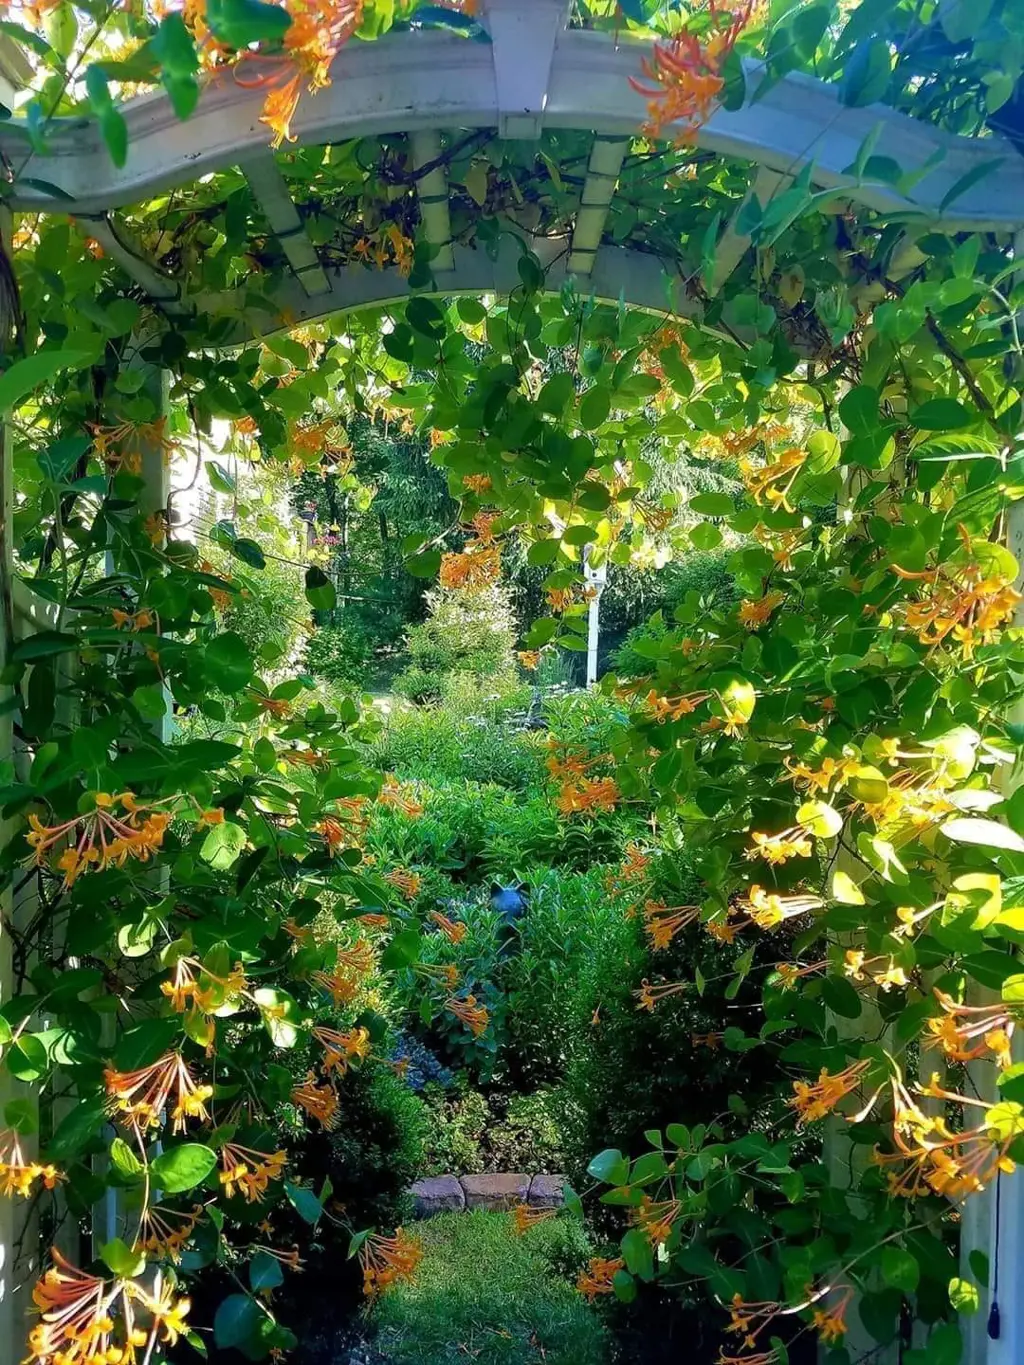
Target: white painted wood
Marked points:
732	245
271	192
523	36
432	190
414	80
118	244
603	169
641	279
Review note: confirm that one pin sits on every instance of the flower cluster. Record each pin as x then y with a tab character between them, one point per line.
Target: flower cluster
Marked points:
386	1261
102	838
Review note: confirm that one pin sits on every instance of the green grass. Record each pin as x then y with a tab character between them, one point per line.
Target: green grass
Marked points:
484	1295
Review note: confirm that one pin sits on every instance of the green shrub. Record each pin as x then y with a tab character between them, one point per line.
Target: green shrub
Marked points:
484	1290
376	1150
269	612
472	1131
470	632
339	653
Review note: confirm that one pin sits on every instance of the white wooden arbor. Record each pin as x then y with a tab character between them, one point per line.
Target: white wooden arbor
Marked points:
537	73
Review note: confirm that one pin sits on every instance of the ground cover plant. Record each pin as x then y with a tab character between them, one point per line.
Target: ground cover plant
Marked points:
246	902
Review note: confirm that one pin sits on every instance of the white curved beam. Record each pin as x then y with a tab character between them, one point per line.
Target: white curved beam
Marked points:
636	277
418	80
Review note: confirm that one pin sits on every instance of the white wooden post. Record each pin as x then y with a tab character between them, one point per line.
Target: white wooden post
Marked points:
597	577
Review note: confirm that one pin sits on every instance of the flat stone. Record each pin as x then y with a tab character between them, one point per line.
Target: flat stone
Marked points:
547	1192
441	1194
495	1191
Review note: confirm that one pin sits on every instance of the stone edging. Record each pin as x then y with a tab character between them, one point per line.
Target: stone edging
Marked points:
456	1194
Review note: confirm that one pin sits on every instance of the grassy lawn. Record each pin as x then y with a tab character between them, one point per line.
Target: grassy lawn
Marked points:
484	1295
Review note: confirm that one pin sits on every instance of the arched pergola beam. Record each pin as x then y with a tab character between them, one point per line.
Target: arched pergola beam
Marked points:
418	80
634	277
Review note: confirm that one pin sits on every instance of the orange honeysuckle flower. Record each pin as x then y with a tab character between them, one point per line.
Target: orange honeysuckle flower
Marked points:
453	931
720	929
953	1164
648	996
319	1101
712	1041
967	1032
409	883
524	1217
771	1357
205	992
657	1217
394	794
271	706
754	614
597	1278
341	987
143	1095
830	1324
772	483
446	974
18	1175
248	1172
386	1261
813	1100
100	838
560	599
768	909
748	1320
301	933
587	795
477	566
86	1320
342	1048
779	848
529	659
474	1016
672	708
141	620
663	922
163	1232
832	773
122	446
477	483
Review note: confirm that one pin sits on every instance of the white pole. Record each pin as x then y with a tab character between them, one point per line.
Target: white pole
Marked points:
597	577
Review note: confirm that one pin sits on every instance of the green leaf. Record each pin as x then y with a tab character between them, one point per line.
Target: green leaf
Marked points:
964	1296
859	410
223	845
121	1260
124	1160
609	1166
402	951
304	1202
42	644
900	1269
237	1320
281	1015
987	833
183	1167
424	565
595	406
945	1345
241	22
320	591
25	376
712	505
867	73
265	1272
228	662
942	414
